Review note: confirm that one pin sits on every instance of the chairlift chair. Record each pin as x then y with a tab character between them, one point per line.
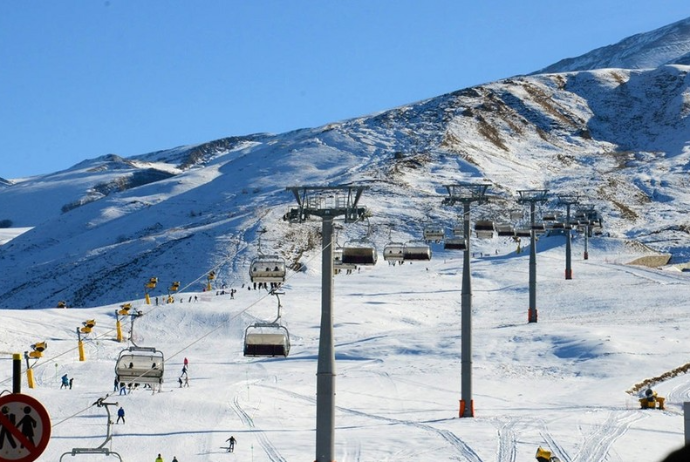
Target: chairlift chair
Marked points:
362	252
551	215
433	233
266	339
523	232
416	250
140	365
484	229
455	243
505	229
269	268
338	264
393	252
539	228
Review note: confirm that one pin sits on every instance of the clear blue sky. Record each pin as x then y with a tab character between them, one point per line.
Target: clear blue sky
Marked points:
80	79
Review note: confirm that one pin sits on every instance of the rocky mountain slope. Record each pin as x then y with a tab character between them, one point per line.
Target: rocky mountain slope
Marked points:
616	137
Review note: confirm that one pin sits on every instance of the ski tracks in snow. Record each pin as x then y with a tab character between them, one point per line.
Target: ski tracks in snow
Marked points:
597	445
462	448
266	445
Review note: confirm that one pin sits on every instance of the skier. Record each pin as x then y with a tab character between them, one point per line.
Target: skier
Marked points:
65	382
159	458
120	415
70	382
174	459
231	444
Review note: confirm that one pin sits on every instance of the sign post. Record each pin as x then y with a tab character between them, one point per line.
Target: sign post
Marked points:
24	428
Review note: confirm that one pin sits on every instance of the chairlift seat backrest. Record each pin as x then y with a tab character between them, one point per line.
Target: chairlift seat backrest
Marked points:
455	243
434	233
416	251
266	341
267	269
145	366
361	253
393	251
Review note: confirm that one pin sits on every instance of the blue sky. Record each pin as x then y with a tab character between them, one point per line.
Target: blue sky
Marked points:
81	79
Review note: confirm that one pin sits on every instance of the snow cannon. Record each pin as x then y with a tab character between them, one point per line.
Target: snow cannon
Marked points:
651	400
544	455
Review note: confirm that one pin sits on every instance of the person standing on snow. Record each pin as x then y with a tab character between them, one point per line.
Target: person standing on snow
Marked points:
65	382
231	444
120	415
159	458
174	459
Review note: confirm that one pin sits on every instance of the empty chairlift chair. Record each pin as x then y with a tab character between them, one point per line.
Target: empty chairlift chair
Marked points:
505	229
456	242
269	268
266	339
140	365
416	250
484	229
393	252
362	252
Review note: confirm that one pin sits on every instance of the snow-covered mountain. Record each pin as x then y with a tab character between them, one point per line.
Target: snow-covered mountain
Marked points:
94	234
664	46
617	137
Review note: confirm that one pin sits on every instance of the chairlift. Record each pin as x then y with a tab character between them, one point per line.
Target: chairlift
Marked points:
516	215
505	229
416	250
433	233
455	243
137	365
523	232
484	229
393	252
539	228
267	338
551	215
267	268
361	252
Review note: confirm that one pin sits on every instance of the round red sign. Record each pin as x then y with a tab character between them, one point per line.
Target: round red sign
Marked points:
24	428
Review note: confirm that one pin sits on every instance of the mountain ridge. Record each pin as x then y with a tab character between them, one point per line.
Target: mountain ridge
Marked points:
101	228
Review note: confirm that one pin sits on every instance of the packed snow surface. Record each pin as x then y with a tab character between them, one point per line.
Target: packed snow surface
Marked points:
569	382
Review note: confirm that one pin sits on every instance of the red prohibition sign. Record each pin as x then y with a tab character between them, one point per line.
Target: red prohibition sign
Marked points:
24	428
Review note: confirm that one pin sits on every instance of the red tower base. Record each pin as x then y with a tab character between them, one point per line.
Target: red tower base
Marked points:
463	408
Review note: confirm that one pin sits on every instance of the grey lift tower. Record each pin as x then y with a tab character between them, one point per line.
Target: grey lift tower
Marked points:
465	194
568	200
326	202
532	197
